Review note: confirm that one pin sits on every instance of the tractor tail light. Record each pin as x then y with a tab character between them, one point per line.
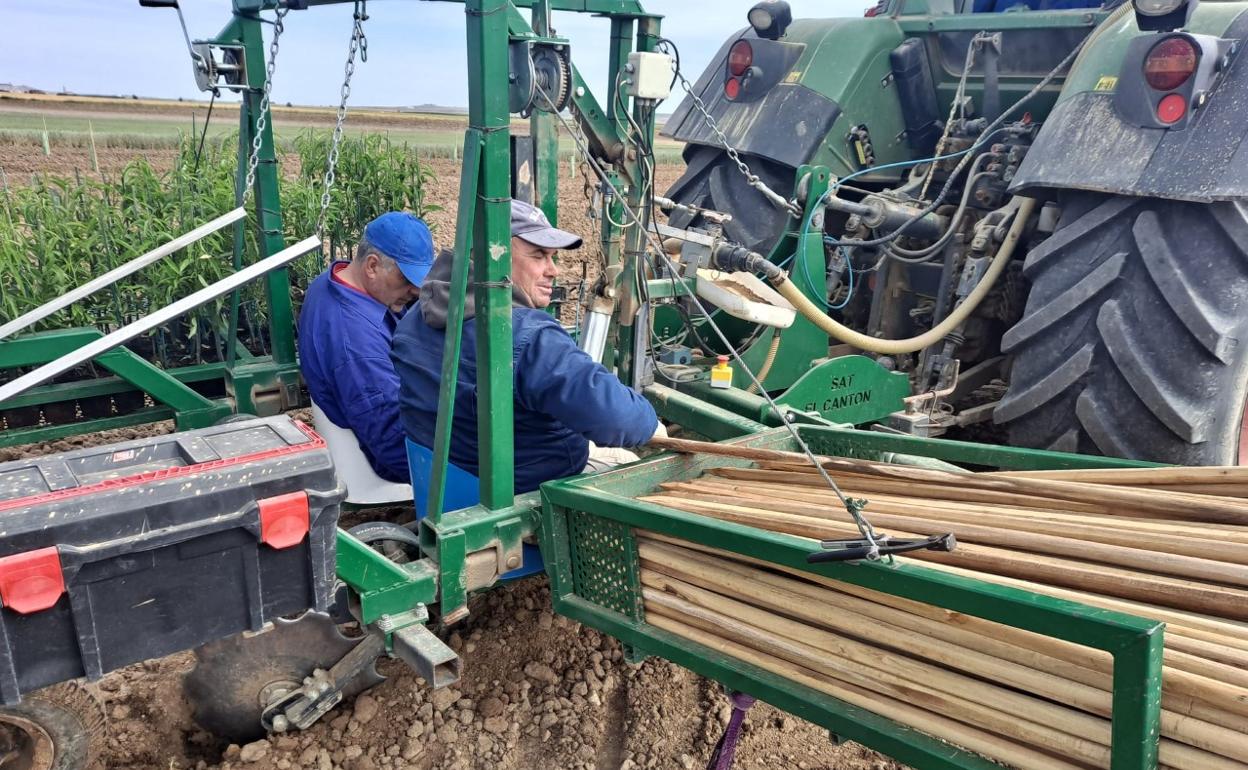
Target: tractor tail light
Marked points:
31	581
732	88
284	519
740	57
1170	63
1171	108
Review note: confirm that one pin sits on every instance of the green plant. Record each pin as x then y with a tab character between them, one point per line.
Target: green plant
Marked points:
59	232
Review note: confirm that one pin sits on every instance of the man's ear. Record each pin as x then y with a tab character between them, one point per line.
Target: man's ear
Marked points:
372	264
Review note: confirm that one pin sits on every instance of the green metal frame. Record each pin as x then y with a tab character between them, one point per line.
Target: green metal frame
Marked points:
1135	643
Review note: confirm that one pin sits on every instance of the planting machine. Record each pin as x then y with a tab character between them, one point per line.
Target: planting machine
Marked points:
926	219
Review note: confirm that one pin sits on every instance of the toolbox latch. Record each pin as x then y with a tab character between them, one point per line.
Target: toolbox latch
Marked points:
31	581
284	519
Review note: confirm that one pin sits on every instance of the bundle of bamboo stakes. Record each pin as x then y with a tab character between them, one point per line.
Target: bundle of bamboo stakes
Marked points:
1151	543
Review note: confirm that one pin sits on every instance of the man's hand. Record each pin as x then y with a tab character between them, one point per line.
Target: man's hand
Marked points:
659	431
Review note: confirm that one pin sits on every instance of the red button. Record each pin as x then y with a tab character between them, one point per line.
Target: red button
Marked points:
284	519
31	581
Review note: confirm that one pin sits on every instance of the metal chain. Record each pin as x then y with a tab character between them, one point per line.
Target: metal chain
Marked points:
359	44
750	177
262	119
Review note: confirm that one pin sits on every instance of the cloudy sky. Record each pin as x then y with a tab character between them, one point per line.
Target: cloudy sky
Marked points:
416	48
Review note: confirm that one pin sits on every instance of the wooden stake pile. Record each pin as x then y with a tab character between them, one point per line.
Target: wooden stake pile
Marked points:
1151	543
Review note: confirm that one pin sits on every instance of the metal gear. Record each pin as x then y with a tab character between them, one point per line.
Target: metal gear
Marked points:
235	678
552	73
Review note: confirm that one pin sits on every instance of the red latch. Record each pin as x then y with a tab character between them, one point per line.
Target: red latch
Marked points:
31	581
284	519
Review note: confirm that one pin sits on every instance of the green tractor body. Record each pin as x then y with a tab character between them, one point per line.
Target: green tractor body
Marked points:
1114	327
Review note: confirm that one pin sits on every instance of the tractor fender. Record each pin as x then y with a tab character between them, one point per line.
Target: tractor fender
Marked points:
1086	145
822	78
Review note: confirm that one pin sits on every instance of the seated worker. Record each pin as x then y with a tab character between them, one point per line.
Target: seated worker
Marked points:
348	317
563	399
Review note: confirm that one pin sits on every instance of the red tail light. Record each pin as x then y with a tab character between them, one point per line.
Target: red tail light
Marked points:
1171	108
732	88
1170	63
740	57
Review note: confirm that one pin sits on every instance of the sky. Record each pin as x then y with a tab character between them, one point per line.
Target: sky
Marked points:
416	48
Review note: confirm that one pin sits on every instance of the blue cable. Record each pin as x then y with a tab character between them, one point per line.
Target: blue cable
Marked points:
801	239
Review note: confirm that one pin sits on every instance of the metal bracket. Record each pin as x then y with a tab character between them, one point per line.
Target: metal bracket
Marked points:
436	663
321	691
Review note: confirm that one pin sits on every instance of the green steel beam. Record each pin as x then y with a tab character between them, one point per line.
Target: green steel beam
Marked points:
453	340
491	247
544	129
620	7
992	22
107	386
384	587
268	212
716	423
19	436
190	409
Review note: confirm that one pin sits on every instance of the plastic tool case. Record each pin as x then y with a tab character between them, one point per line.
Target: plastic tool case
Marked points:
121	553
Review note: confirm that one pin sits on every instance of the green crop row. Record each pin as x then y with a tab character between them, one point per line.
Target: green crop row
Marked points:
59	232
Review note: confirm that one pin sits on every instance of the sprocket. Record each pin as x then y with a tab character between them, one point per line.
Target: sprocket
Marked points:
234	679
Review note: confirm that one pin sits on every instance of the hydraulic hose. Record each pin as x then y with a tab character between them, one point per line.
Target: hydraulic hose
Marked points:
772	350
861	341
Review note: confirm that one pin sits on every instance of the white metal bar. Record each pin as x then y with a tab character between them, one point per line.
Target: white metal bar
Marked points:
158	318
116	274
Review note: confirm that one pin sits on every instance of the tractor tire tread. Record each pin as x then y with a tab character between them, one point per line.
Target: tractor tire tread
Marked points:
1130	341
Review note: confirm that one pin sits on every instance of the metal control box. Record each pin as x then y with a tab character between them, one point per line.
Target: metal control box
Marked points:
121	553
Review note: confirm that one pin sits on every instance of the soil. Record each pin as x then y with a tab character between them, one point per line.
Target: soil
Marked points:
538	690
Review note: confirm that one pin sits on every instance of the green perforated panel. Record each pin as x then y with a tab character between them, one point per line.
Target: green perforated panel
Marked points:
604	563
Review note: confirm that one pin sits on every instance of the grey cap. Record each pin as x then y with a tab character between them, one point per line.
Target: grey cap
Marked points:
530	224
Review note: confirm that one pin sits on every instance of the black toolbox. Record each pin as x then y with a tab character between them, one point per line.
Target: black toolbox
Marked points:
121	553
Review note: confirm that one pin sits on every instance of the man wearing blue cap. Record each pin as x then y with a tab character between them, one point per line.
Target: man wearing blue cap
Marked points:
571	414
348	318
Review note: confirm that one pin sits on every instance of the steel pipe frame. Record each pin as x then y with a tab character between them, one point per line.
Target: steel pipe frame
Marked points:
151	321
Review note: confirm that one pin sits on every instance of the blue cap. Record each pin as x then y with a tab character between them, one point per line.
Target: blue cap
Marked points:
405	239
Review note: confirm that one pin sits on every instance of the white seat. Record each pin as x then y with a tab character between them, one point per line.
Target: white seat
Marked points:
364	486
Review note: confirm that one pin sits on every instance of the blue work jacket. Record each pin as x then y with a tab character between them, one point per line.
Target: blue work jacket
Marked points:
563	398
344	352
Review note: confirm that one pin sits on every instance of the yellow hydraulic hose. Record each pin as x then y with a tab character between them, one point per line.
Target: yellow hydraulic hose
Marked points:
937	333
767	362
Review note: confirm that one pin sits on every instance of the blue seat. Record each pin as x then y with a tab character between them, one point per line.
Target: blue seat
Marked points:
462	491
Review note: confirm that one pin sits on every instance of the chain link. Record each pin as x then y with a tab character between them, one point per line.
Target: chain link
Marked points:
359	44
262	119
750	177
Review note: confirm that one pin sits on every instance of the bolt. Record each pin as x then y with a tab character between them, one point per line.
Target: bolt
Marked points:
580	91
513	561
385	624
280	723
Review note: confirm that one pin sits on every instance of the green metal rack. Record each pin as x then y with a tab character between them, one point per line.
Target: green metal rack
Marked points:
587	532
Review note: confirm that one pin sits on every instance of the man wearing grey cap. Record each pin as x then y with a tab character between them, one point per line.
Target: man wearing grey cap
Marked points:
565	402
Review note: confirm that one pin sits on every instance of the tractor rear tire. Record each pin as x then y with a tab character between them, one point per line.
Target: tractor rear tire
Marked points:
57	728
1130	342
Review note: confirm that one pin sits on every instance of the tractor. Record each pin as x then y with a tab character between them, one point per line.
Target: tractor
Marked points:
1114	327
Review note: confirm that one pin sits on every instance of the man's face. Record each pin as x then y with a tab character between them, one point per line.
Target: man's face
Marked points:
385	282
533	270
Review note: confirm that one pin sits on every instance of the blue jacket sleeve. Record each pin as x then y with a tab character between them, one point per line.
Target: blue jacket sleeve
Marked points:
369	389
555	377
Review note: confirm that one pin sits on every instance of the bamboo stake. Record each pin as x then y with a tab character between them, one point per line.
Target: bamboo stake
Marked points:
1026	719
1035	675
1183	693
1170	505
1222	602
958	733
1154	561
679	617
1143	477
1199	538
